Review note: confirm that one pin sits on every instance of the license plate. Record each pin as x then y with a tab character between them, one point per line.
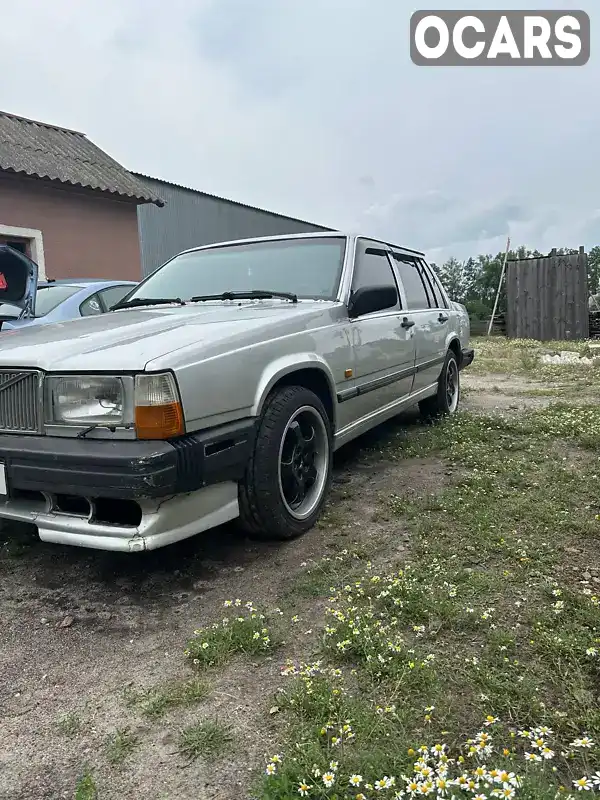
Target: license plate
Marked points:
3	482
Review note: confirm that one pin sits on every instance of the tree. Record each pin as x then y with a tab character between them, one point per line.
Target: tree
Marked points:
594	270
470	276
451	274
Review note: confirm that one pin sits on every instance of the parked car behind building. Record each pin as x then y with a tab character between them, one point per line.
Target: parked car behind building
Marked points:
54	301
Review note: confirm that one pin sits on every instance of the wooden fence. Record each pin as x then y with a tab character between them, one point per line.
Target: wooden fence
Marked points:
547	298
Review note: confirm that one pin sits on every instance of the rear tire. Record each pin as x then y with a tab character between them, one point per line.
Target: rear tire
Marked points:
445	401
289	474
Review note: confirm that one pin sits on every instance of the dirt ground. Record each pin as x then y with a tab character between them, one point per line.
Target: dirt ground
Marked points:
78	627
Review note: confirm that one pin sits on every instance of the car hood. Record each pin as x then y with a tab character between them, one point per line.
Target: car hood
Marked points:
137	339
18	281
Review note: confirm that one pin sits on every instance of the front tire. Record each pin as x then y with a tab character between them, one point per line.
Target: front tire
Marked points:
289	474
445	401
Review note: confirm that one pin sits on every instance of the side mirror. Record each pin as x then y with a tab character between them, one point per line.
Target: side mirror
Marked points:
368	299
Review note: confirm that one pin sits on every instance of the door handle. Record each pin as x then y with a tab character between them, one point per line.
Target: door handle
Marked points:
443	318
407	323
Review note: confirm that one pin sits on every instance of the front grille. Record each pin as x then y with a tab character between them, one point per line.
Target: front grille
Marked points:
20	401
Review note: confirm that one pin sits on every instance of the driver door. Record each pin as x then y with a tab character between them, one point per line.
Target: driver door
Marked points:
383	348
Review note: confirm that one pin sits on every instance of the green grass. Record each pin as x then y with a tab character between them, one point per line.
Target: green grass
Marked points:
521	357
159	700
209	740
244	629
86	787
120	745
489	619
69	724
315	579
475	652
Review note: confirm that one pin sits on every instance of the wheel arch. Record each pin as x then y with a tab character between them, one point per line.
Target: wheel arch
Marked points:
310	371
454	345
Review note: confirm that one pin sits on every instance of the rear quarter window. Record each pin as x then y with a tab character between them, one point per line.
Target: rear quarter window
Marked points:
47	298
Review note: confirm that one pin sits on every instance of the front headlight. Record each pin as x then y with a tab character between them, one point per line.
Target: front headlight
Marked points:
87	400
150	403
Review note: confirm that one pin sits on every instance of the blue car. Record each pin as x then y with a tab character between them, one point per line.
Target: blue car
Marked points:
24	301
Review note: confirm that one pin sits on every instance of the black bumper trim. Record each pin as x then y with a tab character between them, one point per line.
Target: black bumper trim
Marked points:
127	469
466	357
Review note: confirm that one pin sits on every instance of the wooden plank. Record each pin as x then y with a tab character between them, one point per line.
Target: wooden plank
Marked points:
545	326
556	301
560	295
530	326
517	331
510	293
568	293
583	299
576	322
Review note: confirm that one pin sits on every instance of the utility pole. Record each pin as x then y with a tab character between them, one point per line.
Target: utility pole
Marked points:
499	287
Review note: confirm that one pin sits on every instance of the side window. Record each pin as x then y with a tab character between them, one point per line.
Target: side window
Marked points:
417	297
112	295
435	284
90	306
373	268
432	291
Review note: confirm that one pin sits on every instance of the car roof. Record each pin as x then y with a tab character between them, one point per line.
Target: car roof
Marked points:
309	235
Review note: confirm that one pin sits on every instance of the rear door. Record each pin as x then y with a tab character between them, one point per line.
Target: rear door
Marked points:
431	321
384	349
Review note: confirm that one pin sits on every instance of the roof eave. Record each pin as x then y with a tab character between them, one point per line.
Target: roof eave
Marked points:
315	225
140	199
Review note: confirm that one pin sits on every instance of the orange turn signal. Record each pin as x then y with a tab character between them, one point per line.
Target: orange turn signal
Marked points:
159	421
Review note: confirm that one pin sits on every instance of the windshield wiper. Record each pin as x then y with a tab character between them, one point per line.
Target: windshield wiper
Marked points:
147	301
251	294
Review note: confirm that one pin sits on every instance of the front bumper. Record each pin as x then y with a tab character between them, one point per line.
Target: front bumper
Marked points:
162	522
129	495
466	357
126	470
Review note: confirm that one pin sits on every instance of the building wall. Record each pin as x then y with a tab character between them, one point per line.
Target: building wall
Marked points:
84	235
190	219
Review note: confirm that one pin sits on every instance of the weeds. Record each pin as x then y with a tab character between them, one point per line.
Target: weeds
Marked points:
157	701
244	632
493	764
317	577
209	739
120	745
69	724
86	787
485	623
522	357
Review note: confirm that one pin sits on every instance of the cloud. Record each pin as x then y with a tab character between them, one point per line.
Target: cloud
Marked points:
314	109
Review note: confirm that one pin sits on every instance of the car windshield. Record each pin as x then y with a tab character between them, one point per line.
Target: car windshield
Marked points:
308	268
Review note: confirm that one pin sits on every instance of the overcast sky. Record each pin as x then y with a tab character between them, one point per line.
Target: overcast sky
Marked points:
313	108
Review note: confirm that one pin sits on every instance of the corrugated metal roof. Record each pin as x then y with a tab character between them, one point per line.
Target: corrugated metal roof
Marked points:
227	200
58	154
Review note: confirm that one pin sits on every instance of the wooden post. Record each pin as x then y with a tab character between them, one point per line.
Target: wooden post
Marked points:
499	287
